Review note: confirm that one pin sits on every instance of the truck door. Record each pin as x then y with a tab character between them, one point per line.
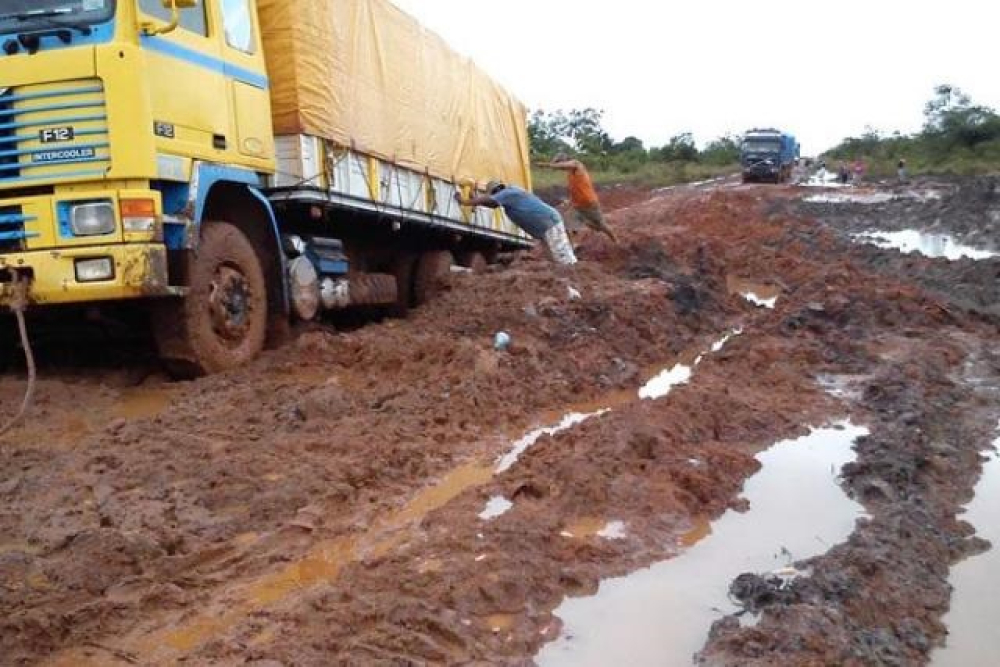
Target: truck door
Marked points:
186	82
247	79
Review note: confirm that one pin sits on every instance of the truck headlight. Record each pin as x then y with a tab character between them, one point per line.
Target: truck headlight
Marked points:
94	270
92	218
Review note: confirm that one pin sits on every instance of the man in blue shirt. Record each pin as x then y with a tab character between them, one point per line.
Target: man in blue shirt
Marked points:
538	219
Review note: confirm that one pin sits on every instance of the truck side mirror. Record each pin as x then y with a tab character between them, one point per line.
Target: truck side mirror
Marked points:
150	28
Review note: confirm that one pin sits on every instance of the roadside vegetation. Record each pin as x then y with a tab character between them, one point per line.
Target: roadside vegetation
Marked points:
579	133
959	137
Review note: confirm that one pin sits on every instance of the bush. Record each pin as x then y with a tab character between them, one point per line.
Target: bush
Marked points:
958	137
578	132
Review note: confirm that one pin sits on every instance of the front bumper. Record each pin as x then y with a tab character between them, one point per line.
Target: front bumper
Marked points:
140	270
761	171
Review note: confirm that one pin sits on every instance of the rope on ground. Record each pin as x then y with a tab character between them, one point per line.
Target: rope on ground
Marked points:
19	304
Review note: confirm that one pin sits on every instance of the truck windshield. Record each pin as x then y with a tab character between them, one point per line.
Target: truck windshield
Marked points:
761	146
27	15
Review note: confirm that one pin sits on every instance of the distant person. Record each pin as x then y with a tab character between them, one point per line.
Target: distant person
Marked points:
901	171
582	196
859	170
539	220
844	174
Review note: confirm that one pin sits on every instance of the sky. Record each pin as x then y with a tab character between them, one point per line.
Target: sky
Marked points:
821	70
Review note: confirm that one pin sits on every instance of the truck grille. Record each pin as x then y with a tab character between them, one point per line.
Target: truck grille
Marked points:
7	139
53	132
12	232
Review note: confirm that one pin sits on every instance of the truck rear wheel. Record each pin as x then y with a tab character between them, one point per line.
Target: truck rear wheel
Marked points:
432	275
474	260
403	269
222	322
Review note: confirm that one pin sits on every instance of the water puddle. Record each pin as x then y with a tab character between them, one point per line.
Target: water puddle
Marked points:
681	373
842	386
521	446
592	527
759	294
975	603
763	302
824	179
496	506
7	548
929	245
871	198
614	530
500	622
664	383
142	403
661	615
852	198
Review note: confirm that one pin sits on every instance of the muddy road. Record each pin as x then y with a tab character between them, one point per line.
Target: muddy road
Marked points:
403	493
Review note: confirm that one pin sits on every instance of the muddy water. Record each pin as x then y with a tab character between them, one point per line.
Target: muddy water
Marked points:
522	445
661	615
973	640
322	564
142	403
759	294
851	198
594	527
325	561
664	382
930	245
496	506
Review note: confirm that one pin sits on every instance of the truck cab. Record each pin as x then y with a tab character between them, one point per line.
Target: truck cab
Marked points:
768	155
122	122
138	162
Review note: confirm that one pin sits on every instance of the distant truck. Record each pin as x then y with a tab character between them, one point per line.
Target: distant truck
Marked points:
233	164
768	156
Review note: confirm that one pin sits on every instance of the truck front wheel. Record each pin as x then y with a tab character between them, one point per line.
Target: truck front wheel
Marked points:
222	321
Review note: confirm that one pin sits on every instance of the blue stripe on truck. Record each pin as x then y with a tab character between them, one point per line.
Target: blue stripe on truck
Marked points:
172	50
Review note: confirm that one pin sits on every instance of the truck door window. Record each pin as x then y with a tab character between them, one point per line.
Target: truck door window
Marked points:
192	20
239	27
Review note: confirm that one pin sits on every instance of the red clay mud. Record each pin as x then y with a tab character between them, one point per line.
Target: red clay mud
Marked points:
321	506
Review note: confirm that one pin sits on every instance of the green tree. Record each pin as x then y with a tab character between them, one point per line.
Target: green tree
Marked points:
579	130
629	145
584	127
680	148
952	119
547	133
724	150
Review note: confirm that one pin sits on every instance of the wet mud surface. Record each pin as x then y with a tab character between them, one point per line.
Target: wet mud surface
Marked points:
966	212
328	503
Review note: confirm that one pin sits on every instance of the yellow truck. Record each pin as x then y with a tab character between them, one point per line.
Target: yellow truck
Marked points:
235	164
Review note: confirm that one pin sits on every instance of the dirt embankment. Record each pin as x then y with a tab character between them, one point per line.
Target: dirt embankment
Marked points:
323	505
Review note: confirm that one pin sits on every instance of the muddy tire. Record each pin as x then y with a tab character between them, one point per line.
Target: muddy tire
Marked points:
432	275
222	323
474	260
403	268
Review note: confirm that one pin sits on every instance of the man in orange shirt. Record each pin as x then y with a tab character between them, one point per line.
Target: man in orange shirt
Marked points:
582	195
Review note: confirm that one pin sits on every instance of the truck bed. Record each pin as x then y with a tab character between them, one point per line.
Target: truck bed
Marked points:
312	169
